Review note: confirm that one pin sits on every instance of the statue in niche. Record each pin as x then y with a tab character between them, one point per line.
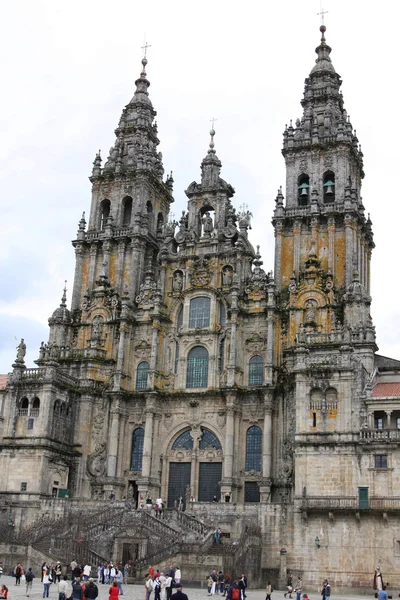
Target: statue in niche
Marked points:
177	282
96	328
208	225
310	306
227	276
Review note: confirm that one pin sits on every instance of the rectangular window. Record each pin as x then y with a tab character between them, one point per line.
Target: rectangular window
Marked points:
30	423
379	423
381	461
24	486
251	491
314	419
363	497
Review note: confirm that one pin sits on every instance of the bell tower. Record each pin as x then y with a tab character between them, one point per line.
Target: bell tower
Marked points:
323	240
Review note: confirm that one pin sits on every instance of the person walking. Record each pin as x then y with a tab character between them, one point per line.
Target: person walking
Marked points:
269	591
119	578
214	578
326	590
63	589
29	577
47	581
298	588
18	573
126	574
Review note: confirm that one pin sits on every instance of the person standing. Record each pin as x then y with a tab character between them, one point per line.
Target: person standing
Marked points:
179	595
326	590
378	580
17	574
382	594
119	578
57	572
148	587
157	588
168	586
1	569
269	591
113	592
243	586
227	583
29	577
63	589
214	578
298	588
91	590
86	572
47	581
178	576
217	535
126	574
72	566
77	590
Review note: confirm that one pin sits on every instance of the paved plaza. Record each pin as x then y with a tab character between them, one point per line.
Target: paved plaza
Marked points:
136	592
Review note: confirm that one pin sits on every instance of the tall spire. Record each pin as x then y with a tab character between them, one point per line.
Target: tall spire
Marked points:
136	145
211	165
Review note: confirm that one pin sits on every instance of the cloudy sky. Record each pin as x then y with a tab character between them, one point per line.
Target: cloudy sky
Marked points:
68	68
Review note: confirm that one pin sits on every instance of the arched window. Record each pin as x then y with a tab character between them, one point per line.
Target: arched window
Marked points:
199	314
253	449
105	207
197	368
315	399
329	187
149	207
209	440
184	441
23	407
331	398
137	449
256	370
222	314
303	189
126	211
179	319
142	373
35	408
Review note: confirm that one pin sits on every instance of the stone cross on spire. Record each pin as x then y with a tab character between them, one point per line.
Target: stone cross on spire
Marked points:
321	13
144	48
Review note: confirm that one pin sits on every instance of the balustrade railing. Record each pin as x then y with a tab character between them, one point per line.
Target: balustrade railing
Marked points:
378	435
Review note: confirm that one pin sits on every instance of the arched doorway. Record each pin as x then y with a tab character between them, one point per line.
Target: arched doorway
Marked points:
195	466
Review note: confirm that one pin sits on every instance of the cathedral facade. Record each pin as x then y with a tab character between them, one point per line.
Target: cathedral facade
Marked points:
182	369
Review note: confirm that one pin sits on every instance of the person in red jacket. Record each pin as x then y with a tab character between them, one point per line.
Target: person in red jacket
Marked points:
113	591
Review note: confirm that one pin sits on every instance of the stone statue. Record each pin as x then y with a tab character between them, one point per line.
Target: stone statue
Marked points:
96	328
227	276
21	351
177	282
207	225
378	580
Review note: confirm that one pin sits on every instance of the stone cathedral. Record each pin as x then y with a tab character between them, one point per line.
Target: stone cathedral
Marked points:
183	369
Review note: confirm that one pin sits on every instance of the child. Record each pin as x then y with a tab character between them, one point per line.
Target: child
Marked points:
4	591
209	585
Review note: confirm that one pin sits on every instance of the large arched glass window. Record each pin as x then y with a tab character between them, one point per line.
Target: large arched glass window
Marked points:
184	440
199	314
197	368
253	449
141	375
137	449
222	314
209	440
256	370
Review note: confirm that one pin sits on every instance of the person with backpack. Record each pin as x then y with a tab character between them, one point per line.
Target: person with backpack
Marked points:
242	586
29	577
234	591
269	591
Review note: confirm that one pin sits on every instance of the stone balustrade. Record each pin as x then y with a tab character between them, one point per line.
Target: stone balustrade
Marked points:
380	435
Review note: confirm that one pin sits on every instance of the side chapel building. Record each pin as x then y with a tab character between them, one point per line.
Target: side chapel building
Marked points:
182	368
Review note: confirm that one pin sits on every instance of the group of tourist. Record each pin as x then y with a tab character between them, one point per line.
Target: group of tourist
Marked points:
223	584
162	584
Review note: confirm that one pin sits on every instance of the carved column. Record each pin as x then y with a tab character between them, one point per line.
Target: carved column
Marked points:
76	293
278	253
349	249
265	486
153	353
135	269
114	439
106	258
296	246
331	244
92	265
389	419
369	271
226	486
232	353
120	264
148	440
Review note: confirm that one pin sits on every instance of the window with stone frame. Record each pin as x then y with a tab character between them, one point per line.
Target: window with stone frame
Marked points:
176	357
126	211
184	440
142	373
23	407
381	461
256	367
24	486
179	318
222	314
209	440
221	355
253	449
197	368
199	312
137	449
35	407
105	207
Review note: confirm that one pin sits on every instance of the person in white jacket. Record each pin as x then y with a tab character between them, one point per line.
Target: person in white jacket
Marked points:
178	575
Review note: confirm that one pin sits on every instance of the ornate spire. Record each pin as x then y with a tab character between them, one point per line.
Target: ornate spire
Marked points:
211	165
64	296
324	117
136	145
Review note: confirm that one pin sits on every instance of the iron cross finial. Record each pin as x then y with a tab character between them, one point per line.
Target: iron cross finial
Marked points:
322	12
144	48
212	121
